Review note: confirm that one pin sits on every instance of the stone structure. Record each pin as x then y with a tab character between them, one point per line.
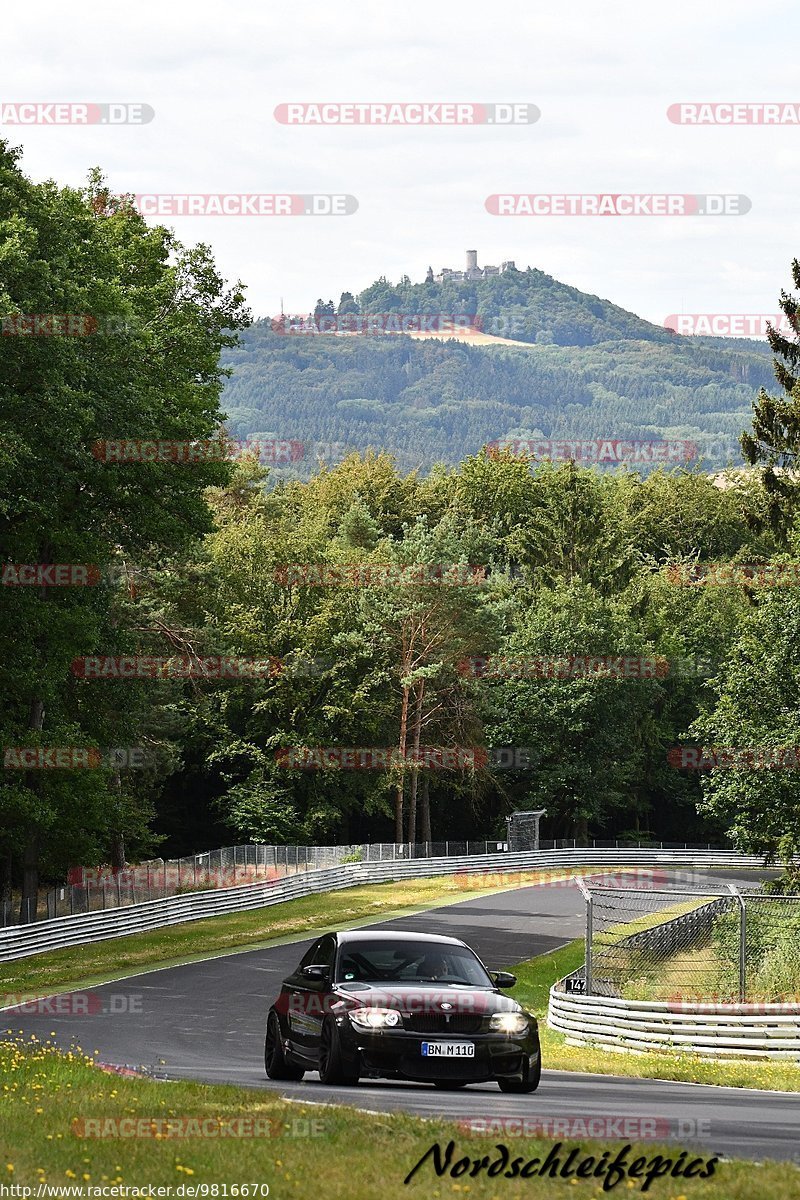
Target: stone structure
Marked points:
473	271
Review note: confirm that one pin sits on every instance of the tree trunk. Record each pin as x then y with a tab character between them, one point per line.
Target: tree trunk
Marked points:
6	882
30	859
30	880
426	808
412	803
117	836
398	801
582	831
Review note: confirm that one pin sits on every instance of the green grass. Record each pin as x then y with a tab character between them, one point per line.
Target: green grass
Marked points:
351	1155
535	979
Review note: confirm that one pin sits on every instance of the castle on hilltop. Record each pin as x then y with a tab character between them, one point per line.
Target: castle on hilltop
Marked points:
473	271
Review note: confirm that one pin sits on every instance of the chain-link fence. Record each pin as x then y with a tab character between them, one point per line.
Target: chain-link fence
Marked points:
95	889
735	945
100	888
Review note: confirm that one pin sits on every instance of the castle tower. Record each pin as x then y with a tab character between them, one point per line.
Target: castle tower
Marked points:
472	260
429	276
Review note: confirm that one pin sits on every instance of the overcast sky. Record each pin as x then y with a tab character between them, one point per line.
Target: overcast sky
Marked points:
602	74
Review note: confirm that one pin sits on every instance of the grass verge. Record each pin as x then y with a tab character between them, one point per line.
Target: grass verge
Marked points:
537	976
50	1101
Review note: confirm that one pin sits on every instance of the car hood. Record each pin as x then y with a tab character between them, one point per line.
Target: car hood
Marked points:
426	998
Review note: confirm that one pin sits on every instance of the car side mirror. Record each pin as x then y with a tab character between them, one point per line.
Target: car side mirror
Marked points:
504	979
316	971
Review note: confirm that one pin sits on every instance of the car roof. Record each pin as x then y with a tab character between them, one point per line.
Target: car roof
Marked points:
394	935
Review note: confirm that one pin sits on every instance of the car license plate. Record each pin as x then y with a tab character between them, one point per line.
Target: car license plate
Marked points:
448	1049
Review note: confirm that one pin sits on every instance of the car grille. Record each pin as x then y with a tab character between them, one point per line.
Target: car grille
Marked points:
443	1023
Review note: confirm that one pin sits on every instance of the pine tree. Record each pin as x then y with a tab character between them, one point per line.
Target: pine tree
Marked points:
775	440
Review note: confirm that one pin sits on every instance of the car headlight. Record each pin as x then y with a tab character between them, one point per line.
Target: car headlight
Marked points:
375	1018
509	1022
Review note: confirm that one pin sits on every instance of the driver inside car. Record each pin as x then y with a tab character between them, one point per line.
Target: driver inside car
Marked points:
435	966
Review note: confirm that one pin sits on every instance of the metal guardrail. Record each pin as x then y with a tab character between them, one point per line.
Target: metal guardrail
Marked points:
721	1031
21	941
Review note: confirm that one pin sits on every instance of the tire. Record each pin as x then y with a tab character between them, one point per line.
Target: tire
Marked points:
528	1083
275	1062
334	1067
450	1085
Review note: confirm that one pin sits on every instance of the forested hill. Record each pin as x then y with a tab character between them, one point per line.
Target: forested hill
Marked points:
589	370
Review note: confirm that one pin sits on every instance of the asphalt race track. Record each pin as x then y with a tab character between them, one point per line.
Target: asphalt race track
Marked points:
205	1020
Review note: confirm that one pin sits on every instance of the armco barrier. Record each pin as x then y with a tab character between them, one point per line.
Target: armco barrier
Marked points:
722	1031
20	941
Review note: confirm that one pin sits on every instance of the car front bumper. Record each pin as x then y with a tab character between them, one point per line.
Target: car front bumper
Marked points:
398	1053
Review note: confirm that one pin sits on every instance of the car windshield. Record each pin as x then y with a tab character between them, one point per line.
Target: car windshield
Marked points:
410	962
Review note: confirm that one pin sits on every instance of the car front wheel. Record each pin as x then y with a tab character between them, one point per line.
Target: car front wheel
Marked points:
275	1062
334	1065
529	1081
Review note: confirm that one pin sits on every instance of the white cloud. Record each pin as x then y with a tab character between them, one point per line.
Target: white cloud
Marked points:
603	76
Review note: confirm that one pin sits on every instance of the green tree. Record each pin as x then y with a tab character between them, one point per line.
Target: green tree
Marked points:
774	442
156	318
756	706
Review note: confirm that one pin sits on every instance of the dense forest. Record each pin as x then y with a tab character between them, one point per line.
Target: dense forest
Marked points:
196	651
591	370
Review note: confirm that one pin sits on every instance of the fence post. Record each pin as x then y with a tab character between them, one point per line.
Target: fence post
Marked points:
587	895
742	943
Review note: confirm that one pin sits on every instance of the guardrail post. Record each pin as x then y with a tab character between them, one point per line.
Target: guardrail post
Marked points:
587	971
742	943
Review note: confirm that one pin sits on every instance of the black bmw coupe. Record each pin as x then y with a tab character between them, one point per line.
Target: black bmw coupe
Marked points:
400	1006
